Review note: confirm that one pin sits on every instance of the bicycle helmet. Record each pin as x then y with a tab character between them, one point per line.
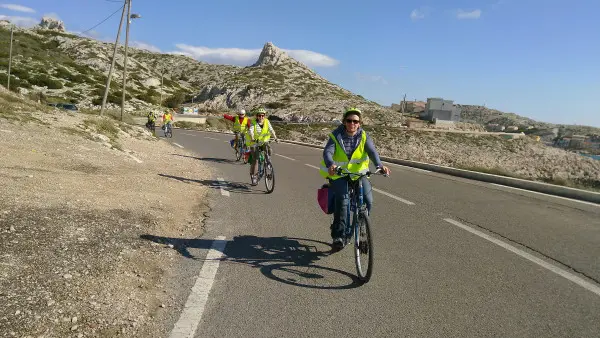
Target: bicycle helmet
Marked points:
242	112
352	111
260	110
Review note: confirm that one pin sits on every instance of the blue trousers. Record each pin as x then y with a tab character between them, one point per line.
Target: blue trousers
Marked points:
342	202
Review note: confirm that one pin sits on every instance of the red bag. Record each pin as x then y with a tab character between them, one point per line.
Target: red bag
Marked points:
325	199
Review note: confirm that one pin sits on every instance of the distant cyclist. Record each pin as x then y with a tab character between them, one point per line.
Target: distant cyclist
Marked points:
241	124
151	123
260	131
350	148
168	120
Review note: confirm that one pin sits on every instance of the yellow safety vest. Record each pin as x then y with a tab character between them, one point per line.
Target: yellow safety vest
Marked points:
265	133
168	118
357	164
237	126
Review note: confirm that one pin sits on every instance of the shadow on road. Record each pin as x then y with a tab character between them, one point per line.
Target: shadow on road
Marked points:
212	159
234	187
284	259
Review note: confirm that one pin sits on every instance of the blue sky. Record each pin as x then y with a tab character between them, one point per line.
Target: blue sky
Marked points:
537	58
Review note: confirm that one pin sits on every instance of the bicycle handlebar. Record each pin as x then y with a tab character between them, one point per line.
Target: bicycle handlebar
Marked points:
343	172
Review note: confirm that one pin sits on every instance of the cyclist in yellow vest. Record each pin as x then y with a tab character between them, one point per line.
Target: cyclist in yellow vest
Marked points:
167	119
241	124
260	131
348	147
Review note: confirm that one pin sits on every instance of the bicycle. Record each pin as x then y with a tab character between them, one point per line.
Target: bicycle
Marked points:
151	127
168	130
265	167
241	148
360	224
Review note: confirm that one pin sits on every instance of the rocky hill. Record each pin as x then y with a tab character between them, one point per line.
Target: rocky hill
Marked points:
57	66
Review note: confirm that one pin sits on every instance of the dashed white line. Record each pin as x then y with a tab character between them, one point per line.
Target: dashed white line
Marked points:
289	158
188	134
188	322
221	184
212	138
312	166
557	270
541	193
393	196
177	144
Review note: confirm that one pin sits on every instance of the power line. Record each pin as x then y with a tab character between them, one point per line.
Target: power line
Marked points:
103	21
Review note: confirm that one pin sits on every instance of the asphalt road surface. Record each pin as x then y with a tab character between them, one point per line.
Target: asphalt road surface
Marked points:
453	257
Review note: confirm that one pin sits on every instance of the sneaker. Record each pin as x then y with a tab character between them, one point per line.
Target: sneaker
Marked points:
254	180
337	245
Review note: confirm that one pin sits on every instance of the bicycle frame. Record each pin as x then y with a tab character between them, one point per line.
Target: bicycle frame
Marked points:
262	149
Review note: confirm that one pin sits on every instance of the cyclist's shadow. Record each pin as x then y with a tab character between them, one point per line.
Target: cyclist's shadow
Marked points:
284	259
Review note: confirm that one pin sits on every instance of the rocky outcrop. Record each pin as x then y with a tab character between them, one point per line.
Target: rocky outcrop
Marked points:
53	24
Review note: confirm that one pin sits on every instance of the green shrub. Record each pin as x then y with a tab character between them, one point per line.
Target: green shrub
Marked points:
46	81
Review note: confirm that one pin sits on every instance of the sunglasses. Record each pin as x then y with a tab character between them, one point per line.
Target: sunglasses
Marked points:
261	115
352	121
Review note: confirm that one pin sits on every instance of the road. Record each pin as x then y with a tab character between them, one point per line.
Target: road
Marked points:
454	257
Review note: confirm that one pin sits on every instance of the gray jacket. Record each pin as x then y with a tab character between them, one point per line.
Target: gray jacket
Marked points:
338	132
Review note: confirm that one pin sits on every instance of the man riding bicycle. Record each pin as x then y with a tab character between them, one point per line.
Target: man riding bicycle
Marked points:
151	121
167	120
241	124
350	148
260	131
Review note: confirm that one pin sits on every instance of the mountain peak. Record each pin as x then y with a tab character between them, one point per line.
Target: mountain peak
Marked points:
271	55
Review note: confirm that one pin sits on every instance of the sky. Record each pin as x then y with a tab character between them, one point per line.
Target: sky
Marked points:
536	58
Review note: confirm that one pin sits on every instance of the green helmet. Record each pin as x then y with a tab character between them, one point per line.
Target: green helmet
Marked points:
260	110
352	111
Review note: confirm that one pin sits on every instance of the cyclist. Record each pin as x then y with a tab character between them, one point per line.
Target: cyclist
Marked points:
167	120
261	130
241	124
151	121
350	148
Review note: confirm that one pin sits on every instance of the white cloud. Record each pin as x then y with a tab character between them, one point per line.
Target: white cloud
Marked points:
311	58
417	14
474	14
145	46
245	57
371	78
17	8
21	21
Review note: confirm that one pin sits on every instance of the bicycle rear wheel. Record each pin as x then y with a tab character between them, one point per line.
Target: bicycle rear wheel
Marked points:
269	177
363	248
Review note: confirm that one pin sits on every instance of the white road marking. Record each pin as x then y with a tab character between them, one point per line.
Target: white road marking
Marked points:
177	144
541	193
135	158
409	168
226	141
557	270
393	196
212	138
223	191
190	318
312	166
189	134
289	158
6	131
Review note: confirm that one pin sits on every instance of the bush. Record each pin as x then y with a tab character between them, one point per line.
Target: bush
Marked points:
46	81
276	105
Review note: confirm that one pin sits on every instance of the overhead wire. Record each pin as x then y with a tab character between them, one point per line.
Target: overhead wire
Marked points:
108	17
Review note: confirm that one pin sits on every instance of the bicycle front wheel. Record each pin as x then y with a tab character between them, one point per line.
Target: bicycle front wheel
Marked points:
238	152
363	248
269	177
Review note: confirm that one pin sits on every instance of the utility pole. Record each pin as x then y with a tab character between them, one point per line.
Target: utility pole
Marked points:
112	65
10	57
125	61
162	74
403	105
